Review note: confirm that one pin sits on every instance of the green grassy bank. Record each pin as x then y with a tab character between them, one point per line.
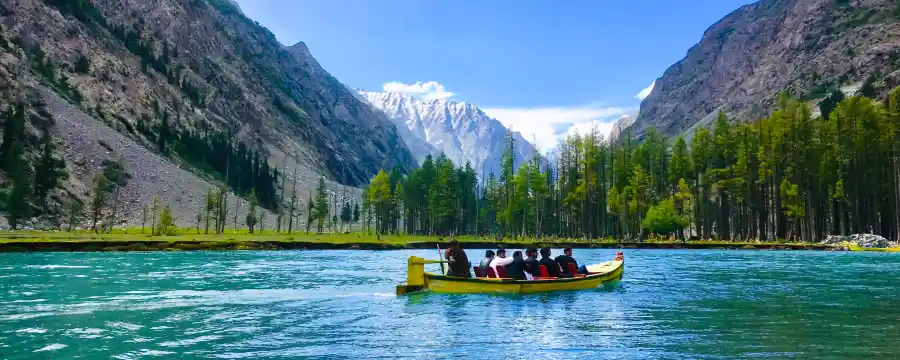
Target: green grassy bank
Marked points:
134	240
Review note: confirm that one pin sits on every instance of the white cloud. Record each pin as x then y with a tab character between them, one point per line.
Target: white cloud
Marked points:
646	92
428	90
548	125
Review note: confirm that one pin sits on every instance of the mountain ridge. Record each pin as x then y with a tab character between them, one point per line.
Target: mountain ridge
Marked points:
194	71
742	62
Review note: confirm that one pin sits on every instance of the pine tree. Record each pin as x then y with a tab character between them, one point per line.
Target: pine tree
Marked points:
18	207
154	207
379	194
320	211
166	222
48	172
252	219
212	199
75	208
310	212
11	148
99	200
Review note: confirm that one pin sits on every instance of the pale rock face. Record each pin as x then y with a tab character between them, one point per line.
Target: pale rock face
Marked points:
461	131
743	61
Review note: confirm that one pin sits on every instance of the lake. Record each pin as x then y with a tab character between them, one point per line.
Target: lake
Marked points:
691	304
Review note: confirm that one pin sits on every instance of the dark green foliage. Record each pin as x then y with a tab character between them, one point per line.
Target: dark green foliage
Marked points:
49	170
82	10
165	134
82	65
662	220
868	88
215	153
12	145
291	112
18	207
115	174
346	213
827	105
356	213
319	209
98	199
252	217
45	68
842	4
819	91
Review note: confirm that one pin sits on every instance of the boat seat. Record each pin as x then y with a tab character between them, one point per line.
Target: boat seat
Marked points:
544	274
489	272
501	272
477	271
543	271
574	270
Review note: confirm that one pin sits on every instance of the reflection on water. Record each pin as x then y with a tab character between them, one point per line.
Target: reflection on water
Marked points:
340	304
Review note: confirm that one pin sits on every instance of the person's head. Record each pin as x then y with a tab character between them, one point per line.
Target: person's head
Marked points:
545	251
531	252
517	255
501	252
567	251
453	244
489	254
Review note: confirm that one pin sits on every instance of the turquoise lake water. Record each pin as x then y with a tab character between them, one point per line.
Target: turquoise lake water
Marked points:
340	304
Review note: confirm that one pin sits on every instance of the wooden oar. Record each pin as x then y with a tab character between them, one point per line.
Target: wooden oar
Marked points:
441	257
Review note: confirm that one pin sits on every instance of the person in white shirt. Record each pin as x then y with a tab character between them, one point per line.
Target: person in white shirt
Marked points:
500	260
486	262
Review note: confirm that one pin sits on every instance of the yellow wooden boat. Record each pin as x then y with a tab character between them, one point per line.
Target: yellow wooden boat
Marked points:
419	280
854	247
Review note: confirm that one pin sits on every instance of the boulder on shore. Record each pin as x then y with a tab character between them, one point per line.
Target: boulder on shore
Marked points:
862	240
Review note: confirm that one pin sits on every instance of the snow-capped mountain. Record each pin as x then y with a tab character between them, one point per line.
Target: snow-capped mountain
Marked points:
461	131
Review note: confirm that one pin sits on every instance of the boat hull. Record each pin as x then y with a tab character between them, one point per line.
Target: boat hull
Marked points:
601	274
860	248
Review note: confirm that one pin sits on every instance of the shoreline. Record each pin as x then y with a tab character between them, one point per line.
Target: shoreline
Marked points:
67	242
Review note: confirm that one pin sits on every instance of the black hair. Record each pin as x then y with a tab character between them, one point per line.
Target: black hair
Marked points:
453	242
531	250
517	254
568	248
489	253
501	250
545	251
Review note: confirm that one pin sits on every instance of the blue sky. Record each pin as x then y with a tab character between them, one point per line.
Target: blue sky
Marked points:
543	67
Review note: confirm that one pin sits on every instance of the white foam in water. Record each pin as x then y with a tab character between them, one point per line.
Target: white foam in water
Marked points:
32	331
57	266
123	325
51	347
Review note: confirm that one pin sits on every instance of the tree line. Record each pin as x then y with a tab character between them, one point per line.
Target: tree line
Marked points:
26	192
791	176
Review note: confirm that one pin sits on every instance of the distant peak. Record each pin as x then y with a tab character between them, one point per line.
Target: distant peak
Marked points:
300	49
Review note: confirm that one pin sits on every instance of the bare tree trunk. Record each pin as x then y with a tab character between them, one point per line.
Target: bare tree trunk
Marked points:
115	206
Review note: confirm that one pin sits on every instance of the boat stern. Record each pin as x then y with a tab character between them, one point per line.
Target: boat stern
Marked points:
415	275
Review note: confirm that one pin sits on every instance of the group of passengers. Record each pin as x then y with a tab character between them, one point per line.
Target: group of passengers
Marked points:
516	267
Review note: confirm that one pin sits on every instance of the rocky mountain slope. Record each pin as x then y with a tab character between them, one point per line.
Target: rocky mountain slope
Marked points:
461	131
125	65
808	47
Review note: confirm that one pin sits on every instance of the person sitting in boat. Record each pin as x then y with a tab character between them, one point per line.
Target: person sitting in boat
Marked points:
516	267
552	266
486	262
566	258
500	260
457	261
531	263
